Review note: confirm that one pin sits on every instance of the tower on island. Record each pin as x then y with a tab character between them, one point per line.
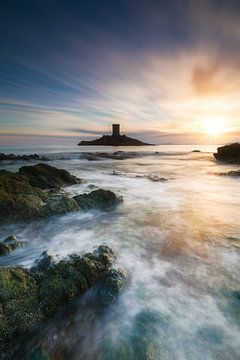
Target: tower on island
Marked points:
113	140
115	130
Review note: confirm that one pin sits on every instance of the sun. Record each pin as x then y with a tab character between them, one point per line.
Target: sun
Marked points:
214	126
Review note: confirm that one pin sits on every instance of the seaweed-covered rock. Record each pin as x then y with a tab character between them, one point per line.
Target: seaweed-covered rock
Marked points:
19	200
30	297
47	177
229	153
113	283
9	244
100	199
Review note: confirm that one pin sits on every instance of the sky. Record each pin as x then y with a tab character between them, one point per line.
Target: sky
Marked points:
167	71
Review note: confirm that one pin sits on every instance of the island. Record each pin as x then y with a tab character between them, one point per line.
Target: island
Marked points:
116	139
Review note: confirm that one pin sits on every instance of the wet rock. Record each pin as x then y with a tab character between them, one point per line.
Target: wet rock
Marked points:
59	204
234	173
12	157
113	283
47	177
30	297
229	153
156	178
99	199
9	244
19	200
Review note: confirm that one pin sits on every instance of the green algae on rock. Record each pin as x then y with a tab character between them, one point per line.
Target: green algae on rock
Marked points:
19	200
100	199
45	176
30	297
9	244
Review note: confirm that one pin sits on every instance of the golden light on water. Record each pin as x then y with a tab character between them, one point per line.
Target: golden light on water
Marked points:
214	126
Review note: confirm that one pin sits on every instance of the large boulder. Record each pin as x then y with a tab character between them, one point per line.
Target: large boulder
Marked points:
100	199
229	153
30	297
48	177
19	200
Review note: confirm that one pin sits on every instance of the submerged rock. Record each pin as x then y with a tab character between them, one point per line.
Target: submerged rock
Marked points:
9	244
100	199
30	297
47	177
229	153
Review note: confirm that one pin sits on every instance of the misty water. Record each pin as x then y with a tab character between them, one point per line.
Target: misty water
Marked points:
179	239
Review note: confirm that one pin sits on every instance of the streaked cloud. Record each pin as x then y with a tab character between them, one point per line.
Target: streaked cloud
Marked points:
160	72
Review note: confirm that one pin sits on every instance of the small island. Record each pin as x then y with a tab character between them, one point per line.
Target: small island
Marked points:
116	139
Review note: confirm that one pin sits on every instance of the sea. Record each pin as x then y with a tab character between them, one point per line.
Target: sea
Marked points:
177	233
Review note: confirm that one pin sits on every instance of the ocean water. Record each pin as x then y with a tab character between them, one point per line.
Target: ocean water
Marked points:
179	239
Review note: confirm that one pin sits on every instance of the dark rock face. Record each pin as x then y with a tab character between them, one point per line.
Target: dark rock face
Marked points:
47	177
110	140
229	153
12	157
30	297
9	244
100	199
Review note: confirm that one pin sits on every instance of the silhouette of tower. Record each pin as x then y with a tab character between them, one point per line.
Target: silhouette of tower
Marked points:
115	130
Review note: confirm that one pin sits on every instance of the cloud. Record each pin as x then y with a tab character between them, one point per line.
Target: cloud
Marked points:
162	70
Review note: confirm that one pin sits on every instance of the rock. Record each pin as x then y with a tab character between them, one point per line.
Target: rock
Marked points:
48	177
113	283
19	200
30	297
229	173
12	157
156	178
100	199
9	244
229	153
196	151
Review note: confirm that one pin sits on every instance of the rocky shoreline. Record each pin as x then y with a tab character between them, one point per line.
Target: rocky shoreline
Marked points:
36	191
30	297
12	157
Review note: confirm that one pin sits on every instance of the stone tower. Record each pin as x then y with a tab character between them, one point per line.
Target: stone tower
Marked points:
115	130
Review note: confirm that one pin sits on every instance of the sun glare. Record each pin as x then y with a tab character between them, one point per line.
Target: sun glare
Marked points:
214	126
